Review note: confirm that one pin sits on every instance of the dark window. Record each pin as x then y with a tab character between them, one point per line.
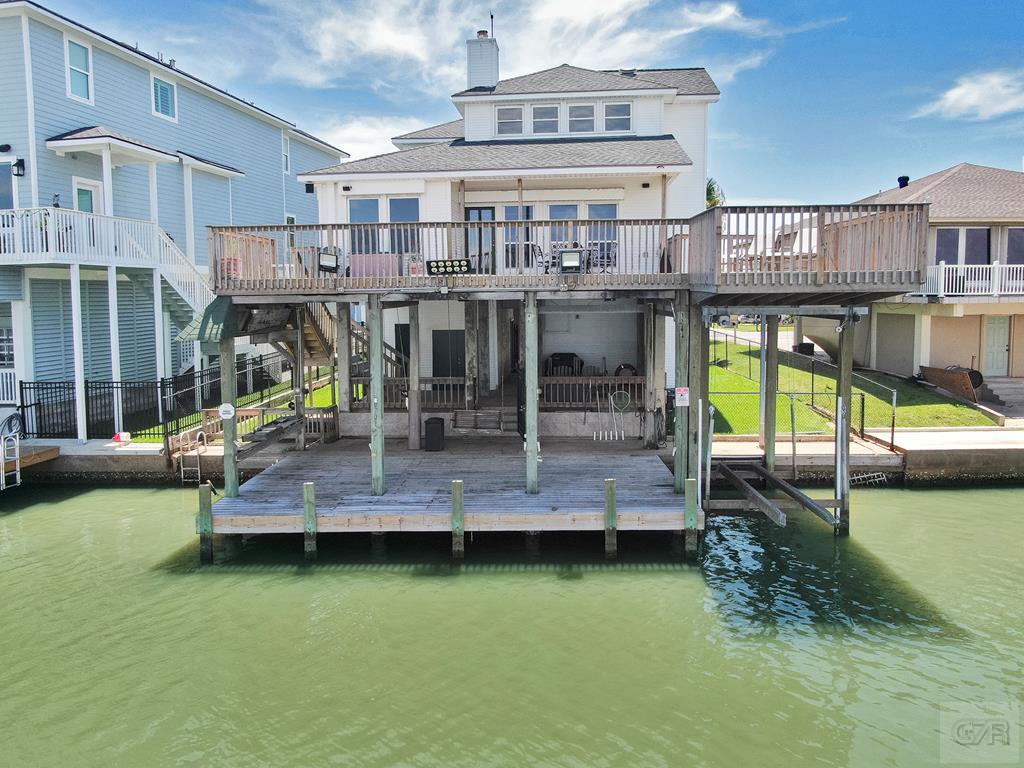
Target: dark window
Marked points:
366	211
947	245
1015	245
563	235
976	246
404	239
6	187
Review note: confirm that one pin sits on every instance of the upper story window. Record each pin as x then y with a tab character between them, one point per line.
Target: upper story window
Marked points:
79	71
618	117
509	120
1015	245
545	118
165	99
963	245
286	154
581	118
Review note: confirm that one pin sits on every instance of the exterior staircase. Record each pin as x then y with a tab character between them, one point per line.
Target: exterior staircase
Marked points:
1003	390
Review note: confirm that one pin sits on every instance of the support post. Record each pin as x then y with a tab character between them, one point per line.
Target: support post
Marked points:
414	377
107	168
650	391
379	545
458	521
691	520
532	406
376	327
532	540
299	376
680	453
844	388
115	346
472	348
159	329
154	208
343	344
228	384
204	523
309	520
770	361
520	232
611	520
695	378
78	352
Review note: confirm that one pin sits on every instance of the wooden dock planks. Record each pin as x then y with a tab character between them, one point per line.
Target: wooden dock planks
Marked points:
419	496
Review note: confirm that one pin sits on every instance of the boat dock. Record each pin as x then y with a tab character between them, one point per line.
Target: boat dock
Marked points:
419	490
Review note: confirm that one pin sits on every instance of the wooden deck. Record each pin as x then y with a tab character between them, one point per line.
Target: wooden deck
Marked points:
418	496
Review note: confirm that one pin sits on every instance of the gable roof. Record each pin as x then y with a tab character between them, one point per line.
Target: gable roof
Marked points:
565	78
965	191
453	129
536	154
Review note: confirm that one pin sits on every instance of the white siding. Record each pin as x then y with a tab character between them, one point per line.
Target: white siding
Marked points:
479	121
688	123
600	338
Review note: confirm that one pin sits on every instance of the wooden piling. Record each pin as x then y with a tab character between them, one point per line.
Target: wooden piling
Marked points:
309	520
379	545
343	346
611	520
682	413
376	318
228	387
844	391
472	347
532	393
770	361
692	533
458	521
205	523
414	377
650	388
532	540
299	375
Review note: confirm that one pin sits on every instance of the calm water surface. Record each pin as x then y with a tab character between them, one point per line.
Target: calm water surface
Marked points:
787	649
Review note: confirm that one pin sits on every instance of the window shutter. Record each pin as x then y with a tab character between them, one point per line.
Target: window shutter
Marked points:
163	98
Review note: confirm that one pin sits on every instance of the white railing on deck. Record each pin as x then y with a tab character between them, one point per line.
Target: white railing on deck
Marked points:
8	386
64	236
974	280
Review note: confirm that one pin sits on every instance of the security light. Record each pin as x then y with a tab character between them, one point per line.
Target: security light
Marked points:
327	261
572	260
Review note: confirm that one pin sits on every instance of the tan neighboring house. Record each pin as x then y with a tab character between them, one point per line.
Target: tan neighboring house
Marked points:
971	311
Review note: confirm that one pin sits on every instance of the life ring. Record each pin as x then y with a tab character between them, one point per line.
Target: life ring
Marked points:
625	367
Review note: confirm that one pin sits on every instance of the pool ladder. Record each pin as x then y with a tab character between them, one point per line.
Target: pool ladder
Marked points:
196	446
11	453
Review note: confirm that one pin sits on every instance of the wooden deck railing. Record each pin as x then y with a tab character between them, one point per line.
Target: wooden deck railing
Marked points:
328	257
437	393
589	392
815	246
841	247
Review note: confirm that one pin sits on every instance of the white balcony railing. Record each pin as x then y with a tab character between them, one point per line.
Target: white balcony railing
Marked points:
63	236
8	386
994	280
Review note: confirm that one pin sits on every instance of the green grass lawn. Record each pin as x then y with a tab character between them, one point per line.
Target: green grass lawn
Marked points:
737	408
916	405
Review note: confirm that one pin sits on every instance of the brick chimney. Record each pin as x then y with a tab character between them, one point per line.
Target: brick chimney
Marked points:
482	61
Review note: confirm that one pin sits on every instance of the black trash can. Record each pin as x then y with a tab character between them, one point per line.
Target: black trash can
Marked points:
434	434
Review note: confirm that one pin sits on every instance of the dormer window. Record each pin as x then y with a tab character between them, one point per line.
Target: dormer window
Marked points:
545	118
618	117
581	118
509	121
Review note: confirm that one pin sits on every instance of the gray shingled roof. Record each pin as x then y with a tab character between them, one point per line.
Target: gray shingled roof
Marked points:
460	155
453	129
690	81
563	79
965	191
98	132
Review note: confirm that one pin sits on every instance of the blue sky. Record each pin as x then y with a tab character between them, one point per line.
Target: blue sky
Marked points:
821	102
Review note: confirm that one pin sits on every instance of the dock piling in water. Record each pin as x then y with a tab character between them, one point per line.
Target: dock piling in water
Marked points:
611	520
205	523
309	520
458	521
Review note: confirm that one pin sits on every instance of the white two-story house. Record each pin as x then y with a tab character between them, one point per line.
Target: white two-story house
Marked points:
112	164
572	150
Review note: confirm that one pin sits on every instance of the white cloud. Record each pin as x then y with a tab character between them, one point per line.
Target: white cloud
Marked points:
365	136
980	96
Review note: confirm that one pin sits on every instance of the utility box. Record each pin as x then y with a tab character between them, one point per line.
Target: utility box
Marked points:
434	429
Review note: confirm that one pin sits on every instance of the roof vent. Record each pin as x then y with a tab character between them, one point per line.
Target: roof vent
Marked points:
903	181
628	72
481	34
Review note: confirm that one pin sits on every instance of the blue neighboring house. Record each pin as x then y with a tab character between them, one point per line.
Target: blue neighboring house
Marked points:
112	164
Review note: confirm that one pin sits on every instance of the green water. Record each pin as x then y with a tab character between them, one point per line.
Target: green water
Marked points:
787	649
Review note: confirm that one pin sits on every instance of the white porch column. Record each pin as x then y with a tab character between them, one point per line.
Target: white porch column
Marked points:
154	209
922	342
77	345
115	345
159	330
190	223
108	182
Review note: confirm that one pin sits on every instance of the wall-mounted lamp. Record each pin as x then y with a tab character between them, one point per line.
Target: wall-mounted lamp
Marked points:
18	168
310	189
